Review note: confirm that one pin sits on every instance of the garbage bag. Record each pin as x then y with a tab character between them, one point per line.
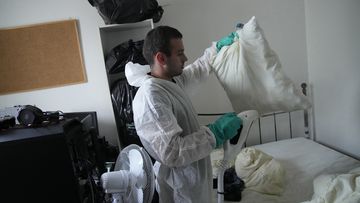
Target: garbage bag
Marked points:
127	11
123	53
122	95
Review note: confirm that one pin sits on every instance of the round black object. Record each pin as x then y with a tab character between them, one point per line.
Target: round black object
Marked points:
30	115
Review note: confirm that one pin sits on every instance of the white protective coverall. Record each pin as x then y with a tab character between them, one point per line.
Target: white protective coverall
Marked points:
168	127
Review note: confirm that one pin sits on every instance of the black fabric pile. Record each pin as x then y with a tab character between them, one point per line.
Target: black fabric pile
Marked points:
122	93
127	11
123	53
233	185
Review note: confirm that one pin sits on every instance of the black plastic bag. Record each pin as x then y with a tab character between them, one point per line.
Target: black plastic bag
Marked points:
123	53
122	95
127	11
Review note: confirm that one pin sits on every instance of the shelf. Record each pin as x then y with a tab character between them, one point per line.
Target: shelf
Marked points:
115	34
127	26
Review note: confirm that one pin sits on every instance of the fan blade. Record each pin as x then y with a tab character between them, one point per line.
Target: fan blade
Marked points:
136	168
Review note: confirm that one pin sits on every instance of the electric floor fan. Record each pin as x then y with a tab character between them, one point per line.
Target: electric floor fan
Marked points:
133	178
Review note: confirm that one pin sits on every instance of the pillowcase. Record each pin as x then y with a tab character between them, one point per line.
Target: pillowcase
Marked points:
251	74
260	171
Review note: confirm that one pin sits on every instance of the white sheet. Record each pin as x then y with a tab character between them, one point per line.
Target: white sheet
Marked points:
337	188
303	161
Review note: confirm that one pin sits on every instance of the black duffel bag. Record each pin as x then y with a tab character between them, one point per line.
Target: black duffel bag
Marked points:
127	11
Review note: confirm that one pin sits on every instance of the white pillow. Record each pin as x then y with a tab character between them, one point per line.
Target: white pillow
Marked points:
260	171
251	74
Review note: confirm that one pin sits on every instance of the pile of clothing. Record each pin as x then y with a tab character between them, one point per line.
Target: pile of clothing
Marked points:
260	171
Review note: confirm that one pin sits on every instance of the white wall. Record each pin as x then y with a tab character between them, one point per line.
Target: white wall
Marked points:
204	21
200	21
330	46
91	96
333	47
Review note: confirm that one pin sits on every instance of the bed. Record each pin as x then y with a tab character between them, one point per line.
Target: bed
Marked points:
296	149
303	161
287	137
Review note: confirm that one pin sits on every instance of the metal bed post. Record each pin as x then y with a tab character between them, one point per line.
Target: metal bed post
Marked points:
306	113
260	132
290	126
306	120
275	127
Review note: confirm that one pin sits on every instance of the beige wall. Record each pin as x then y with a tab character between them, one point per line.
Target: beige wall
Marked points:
204	21
333	49
201	21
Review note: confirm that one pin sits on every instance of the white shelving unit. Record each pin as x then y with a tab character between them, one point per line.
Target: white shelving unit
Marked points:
115	34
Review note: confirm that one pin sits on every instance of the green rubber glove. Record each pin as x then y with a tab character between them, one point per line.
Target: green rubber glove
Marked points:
225	127
226	41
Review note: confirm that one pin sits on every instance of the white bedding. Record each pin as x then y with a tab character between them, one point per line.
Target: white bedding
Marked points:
303	161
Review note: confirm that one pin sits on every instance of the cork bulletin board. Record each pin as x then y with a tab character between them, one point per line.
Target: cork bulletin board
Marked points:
40	56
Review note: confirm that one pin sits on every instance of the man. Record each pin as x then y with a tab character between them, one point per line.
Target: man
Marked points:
167	123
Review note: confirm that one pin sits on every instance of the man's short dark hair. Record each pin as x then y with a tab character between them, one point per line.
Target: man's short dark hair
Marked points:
158	40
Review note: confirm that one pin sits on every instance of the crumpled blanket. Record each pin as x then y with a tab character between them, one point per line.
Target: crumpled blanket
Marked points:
337	188
260	171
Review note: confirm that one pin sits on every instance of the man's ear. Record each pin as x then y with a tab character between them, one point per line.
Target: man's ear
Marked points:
160	57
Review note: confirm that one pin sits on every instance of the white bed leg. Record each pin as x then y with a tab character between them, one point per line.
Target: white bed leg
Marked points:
220	185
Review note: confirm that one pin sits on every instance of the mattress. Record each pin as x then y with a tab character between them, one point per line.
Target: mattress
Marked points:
303	160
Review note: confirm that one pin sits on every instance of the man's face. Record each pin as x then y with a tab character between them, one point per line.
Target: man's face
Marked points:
175	62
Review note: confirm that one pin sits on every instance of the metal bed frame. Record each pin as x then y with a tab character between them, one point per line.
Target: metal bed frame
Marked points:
307	132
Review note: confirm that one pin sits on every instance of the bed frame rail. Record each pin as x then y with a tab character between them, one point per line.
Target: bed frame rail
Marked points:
277	125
